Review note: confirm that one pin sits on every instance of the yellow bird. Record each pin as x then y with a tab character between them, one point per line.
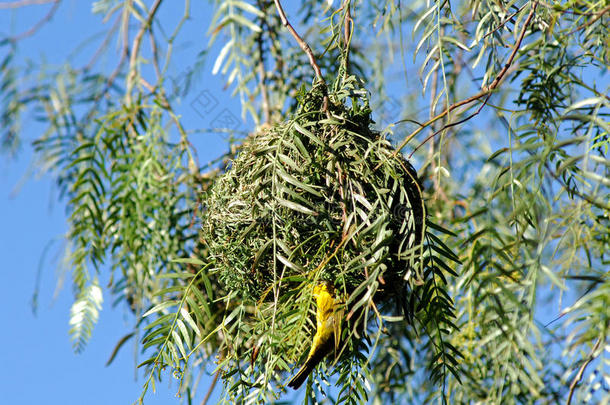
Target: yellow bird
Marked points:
327	332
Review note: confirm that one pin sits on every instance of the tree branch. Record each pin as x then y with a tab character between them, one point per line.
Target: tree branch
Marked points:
262	72
23	3
581	371
124	52
487	90
507	19
301	42
135	49
211	389
40	23
348	29
598	15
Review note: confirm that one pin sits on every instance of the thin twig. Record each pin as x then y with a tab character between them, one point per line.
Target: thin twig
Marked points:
211	389
581	371
452	124
104	45
347	32
487	90
39	24
500	75
436	175
591	200
507	19
135	49
301	42
155	57
599	15
164	103
573	12
23	3
122	58
262	73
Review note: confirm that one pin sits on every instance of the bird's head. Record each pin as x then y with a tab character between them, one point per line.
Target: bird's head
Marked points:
324	287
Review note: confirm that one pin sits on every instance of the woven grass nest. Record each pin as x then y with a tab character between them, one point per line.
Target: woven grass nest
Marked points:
321	196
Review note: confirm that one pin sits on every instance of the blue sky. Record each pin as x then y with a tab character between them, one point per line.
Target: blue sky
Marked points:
40	365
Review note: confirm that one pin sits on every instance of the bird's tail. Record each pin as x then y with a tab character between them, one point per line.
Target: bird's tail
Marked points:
311	362
300	377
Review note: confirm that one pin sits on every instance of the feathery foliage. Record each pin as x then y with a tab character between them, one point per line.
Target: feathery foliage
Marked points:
502	105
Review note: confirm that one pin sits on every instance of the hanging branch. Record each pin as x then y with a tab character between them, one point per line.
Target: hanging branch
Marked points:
211	388
581	371
23	3
135	49
486	92
40	23
301	42
262	72
348	28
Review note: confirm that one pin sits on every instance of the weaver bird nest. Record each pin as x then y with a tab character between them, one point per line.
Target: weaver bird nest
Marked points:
319	197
